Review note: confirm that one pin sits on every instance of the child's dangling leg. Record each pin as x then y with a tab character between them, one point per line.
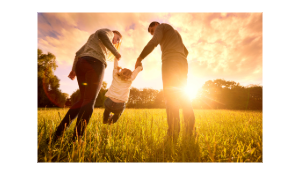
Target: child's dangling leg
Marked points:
116	116
106	116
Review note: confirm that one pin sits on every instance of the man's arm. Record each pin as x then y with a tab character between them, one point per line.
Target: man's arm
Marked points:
156	39
102	35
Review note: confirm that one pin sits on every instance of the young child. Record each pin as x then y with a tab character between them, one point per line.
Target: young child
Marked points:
118	92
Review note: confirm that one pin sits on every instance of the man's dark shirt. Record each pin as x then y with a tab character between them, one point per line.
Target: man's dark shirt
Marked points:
170	43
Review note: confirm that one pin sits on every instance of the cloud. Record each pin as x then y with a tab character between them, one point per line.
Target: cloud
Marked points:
65	45
224	45
221	45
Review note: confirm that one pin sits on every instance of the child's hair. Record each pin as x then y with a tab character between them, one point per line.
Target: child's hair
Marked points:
124	74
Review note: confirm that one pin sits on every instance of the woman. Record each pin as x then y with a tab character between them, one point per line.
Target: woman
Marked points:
89	65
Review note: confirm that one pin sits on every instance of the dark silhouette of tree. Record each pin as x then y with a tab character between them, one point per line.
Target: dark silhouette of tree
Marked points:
214	94
101	96
159	101
222	94
255	97
145	98
68	102
75	96
100	99
49	93
134	99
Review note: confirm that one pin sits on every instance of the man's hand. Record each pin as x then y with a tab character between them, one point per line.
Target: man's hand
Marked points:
72	75
118	57
138	62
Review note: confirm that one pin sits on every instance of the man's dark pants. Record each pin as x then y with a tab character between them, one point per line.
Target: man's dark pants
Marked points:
90	73
174	76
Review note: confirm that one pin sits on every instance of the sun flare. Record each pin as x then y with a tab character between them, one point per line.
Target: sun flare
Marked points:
191	91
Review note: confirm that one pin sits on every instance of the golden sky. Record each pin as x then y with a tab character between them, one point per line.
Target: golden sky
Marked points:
221	45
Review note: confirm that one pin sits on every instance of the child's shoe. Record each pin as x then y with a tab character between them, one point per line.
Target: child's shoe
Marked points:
109	121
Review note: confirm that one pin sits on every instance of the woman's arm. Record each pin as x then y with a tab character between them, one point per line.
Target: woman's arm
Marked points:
102	35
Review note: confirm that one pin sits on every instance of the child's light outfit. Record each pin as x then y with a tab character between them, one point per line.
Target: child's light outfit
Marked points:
119	89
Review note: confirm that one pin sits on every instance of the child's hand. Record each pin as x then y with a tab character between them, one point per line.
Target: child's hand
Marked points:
138	62
141	66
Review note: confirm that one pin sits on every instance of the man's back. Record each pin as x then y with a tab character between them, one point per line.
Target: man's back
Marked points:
170	42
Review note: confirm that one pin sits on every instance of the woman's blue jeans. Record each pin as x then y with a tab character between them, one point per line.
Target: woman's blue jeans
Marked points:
90	73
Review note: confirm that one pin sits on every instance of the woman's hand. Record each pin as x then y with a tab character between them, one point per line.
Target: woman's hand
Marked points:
72	75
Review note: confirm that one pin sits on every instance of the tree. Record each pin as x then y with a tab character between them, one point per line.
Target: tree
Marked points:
75	96
48	84
214	94
65	95
100	99
159	100
134	98
144	98
222	94
101	96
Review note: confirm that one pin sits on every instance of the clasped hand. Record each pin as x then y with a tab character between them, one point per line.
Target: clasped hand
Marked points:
138	63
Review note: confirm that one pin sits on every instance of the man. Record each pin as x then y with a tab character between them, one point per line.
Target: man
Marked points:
174	74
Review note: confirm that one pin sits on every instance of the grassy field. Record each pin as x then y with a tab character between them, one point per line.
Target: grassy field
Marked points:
139	136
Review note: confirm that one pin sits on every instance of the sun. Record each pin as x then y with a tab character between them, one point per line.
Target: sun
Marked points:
191	91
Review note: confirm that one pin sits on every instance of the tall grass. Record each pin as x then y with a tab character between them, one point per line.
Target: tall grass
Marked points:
139	136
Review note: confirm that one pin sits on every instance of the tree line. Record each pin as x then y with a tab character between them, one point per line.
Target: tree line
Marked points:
222	94
214	94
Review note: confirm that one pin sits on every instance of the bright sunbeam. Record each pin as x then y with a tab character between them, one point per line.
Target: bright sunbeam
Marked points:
191	91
